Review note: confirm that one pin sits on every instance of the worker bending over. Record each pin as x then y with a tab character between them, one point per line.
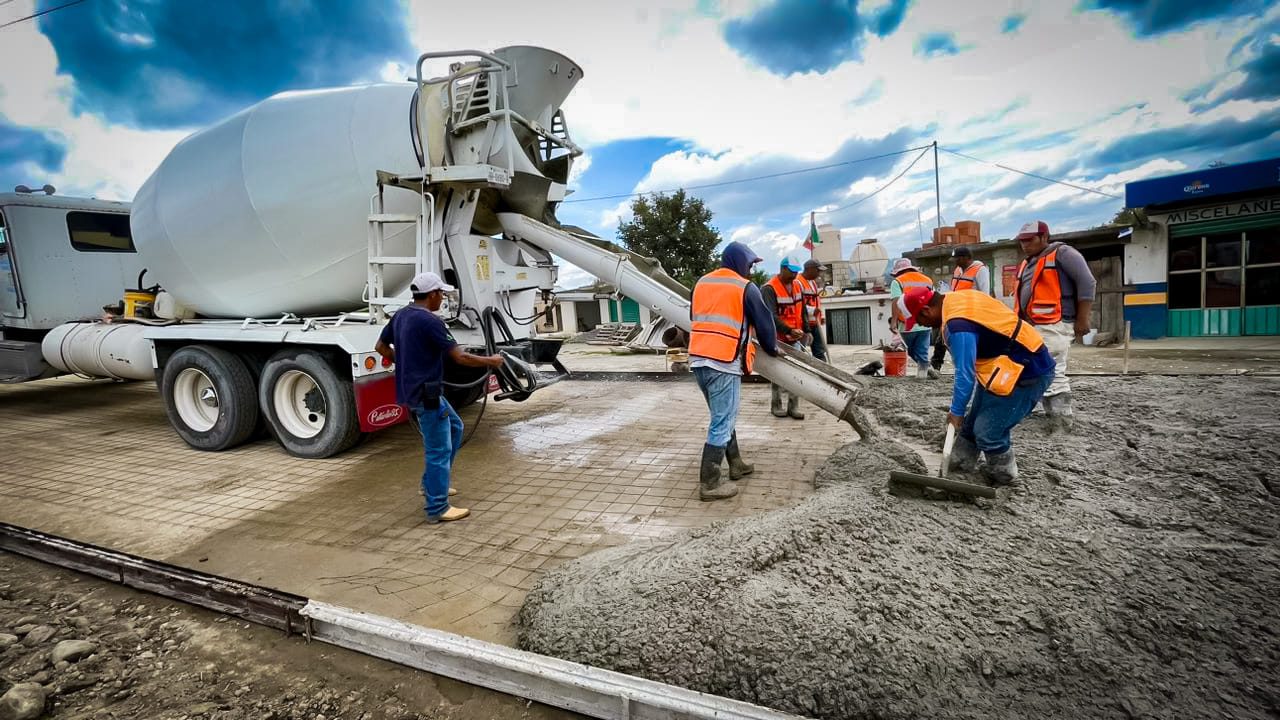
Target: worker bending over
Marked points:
727	311
1002	365
811	290
1055	293
418	341
785	301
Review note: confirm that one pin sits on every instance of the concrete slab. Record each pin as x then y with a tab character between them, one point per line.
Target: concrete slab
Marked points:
581	466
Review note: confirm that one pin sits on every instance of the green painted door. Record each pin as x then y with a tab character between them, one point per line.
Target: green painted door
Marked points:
630	310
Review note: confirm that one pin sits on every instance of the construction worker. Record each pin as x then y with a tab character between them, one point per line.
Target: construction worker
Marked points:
811	290
786	303
727	311
905	277
1054	292
969	274
1002	365
418	342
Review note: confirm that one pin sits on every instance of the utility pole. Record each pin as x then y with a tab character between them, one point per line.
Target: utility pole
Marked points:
937	187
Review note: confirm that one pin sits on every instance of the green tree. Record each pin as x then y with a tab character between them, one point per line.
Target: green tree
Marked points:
759	276
676	229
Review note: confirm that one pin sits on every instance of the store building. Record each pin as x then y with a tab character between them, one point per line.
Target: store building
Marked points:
1204	257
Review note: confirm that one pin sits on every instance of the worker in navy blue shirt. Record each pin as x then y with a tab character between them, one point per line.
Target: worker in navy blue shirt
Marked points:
1003	368
418	341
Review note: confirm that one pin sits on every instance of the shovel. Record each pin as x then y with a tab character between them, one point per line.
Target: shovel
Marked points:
941	481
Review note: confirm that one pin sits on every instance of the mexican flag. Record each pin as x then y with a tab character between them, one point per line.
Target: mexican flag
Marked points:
813	239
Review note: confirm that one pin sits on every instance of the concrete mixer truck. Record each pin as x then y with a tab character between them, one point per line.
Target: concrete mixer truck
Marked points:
285	235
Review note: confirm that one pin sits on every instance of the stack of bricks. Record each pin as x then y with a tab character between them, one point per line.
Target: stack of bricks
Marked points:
968	232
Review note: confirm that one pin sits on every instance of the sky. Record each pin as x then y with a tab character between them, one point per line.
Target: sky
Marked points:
689	93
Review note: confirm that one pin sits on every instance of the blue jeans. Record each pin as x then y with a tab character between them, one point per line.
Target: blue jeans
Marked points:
918	345
723	392
441	430
991	418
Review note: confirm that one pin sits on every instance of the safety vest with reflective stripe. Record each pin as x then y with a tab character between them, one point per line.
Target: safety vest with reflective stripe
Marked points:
790	303
980	308
966	278
1046	290
809	290
719	318
910	279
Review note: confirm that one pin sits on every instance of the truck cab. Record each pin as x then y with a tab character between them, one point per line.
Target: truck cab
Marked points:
61	260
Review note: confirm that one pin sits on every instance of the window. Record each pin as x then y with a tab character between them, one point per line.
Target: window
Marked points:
1262	271
99	232
1184	291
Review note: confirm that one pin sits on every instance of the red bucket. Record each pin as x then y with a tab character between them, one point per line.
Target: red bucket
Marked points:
895	363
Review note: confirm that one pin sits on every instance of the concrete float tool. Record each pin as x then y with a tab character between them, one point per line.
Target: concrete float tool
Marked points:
941	481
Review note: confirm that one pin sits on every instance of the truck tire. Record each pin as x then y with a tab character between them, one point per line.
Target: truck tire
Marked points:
210	398
311	410
462	397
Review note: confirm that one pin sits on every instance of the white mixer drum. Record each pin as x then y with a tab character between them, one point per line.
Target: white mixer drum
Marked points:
267	211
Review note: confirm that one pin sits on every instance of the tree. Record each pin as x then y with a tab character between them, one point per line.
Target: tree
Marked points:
759	276
676	229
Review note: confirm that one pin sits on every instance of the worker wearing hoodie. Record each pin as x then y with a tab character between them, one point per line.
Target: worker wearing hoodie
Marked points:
727	312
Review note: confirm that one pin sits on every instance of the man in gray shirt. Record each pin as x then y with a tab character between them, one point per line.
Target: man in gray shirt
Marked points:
1055	293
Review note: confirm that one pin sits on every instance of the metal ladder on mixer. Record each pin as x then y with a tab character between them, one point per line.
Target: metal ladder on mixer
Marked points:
379	260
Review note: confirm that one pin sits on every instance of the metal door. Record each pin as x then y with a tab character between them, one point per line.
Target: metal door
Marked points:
838	322
10	300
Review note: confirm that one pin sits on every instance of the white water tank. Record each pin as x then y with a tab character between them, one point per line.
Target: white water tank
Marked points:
267	211
868	261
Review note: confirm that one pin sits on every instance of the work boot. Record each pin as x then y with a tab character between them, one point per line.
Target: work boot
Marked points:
793	407
737	468
964	455
710	486
453	513
1058	408
922	371
1001	468
775	402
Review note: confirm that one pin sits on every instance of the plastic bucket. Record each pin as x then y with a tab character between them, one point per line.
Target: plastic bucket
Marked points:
895	363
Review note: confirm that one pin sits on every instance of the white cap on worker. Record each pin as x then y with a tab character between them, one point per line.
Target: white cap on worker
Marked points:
426	282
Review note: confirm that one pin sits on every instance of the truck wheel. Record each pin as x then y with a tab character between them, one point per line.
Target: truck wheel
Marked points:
209	397
311	410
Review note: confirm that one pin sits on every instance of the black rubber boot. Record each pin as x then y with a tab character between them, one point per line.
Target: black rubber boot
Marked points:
737	468
710	485
1001	469
775	402
964	455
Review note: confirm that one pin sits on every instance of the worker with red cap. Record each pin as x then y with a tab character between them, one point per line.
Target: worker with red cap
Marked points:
1055	293
1003	367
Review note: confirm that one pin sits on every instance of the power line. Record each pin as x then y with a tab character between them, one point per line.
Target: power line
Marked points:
42	12
1030	174
880	189
750	179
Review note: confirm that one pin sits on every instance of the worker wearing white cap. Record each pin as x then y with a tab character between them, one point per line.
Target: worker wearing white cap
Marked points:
916	337
418	341
1055	293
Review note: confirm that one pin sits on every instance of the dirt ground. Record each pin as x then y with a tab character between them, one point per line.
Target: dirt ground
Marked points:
146	657
1132	572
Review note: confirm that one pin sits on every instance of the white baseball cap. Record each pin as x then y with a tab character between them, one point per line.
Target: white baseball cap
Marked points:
426	282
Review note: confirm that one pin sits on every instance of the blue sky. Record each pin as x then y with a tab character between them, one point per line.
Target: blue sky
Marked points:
696	92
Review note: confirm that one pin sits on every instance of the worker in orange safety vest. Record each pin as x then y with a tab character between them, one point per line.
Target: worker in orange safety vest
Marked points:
726	312
783	297
811	284
969	274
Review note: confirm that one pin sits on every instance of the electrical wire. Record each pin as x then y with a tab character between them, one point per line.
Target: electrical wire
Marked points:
770	176
880	189
42	12
1031	174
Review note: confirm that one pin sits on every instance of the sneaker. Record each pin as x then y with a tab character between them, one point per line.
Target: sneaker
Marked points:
452	491
453	513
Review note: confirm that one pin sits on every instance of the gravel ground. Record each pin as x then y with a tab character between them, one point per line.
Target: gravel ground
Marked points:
1133	572
132	655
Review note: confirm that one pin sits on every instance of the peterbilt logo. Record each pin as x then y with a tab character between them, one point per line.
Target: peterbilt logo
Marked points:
385	415
1196	187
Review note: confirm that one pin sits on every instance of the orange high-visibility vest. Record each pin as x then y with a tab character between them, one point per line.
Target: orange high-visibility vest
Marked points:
809	290
790	303
1046	290
910	279
967	278
719	319
980	308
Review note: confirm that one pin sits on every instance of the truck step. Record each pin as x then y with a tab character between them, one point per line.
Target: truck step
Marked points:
393	260
393	218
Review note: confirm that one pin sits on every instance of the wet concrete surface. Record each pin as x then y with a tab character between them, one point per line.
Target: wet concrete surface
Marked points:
579	467
1130	573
